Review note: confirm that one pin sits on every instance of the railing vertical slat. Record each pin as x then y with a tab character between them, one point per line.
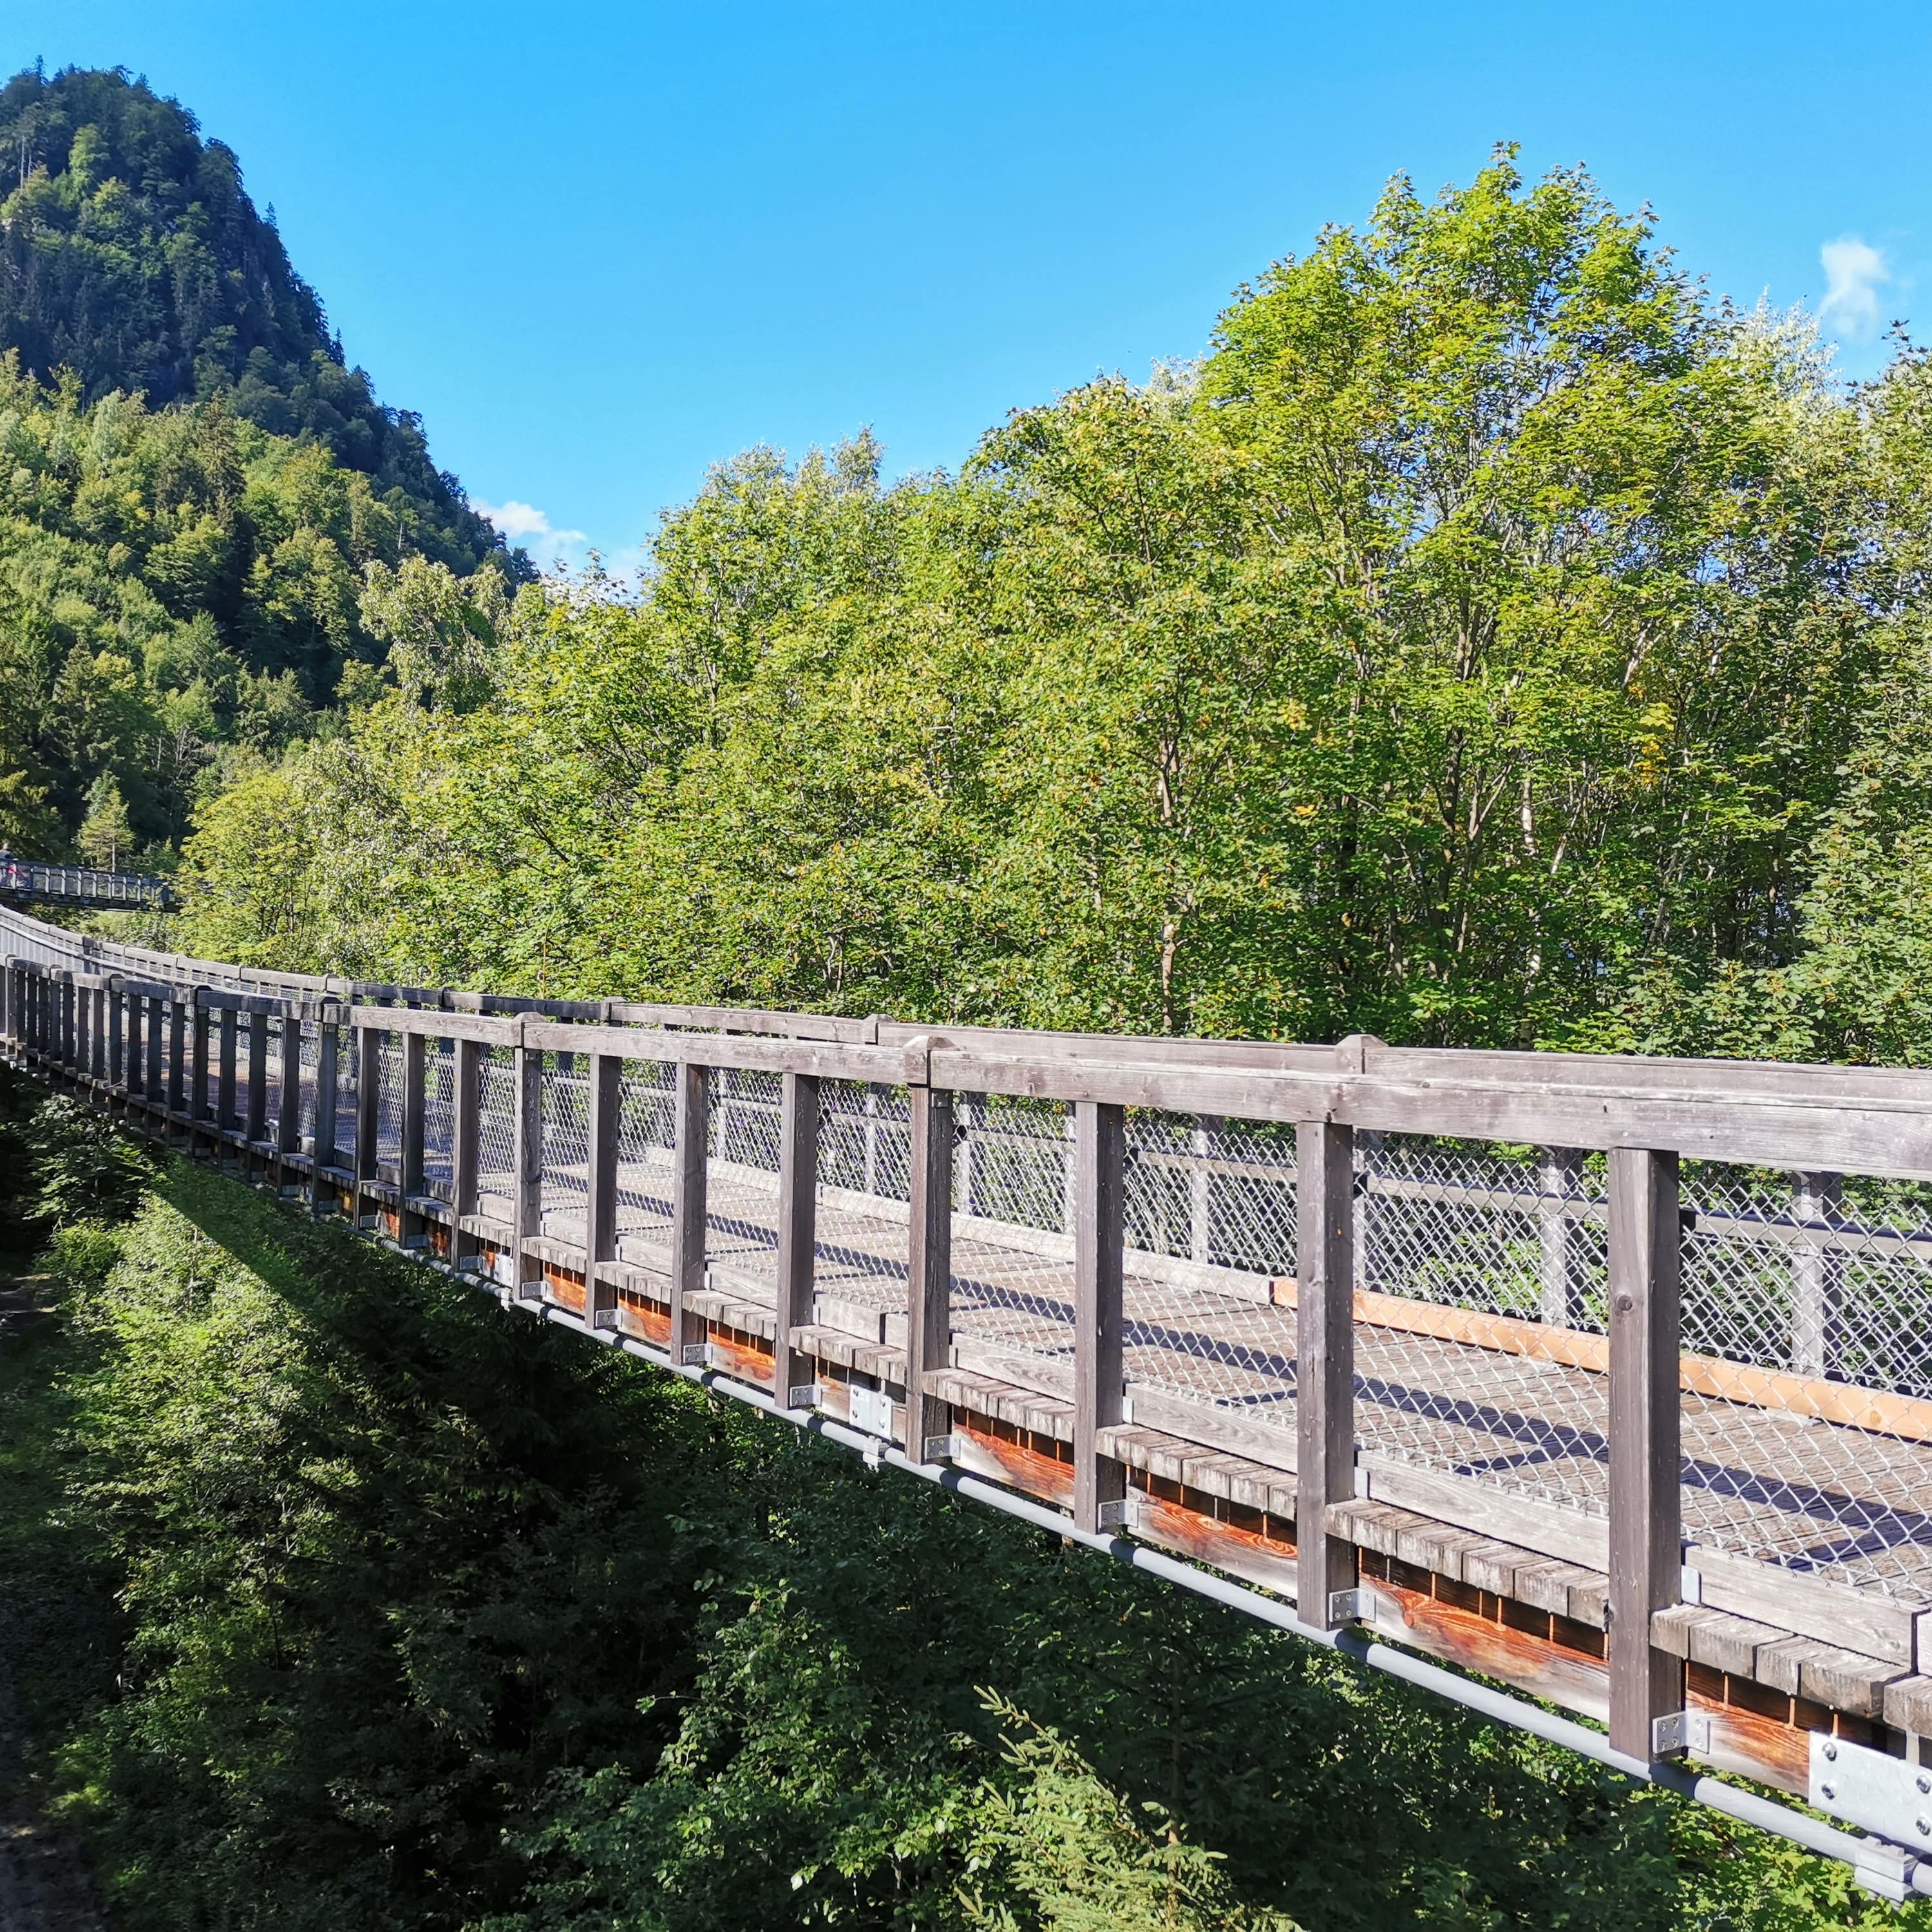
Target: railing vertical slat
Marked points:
1559	1172
156	1096
140	1018
177	1093
1817	1277
526	1182
928	1262
606	1073
368	1117
328	1079
1646	1551
255	1128
798	1228
1099	1200
692	1089
465	1130
198	1101
1324	1366
288	1108
225	1116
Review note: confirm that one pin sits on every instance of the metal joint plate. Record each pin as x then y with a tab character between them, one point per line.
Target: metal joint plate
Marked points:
1868	1788
1681	1731
871	1410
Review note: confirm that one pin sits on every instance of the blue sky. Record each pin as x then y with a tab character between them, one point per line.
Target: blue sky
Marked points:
599	247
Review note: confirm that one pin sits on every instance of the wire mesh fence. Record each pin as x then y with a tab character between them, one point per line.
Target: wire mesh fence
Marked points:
1807	1340
865	1182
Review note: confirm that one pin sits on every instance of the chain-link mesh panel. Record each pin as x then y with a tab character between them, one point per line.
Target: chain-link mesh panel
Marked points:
1210	1234
440	1063
566	1148
646	1165
496	1134
1012	1255
865	1165
742	1183
1807	1340
389	1098
1455	1228
348	1055
311	1056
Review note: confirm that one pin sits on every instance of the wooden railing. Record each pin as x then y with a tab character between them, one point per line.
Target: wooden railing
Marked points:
29	882
1453	1283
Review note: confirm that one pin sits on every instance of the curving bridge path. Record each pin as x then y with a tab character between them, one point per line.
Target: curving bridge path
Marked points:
1608	1379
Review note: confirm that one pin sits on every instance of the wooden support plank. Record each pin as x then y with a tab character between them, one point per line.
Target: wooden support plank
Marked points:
202	1021
156	1021
256	1127
117	1039
1325	1370
690	1091
1100	1203
797	1229
289	1109
96	1034
137	1065
225	1116
368	1115
600	1205
1646	1542
177	1015
415	1121
928	1261
526	1177
327	1084
466	1134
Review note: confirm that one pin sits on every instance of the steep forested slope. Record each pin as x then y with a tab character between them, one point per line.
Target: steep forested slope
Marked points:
192	481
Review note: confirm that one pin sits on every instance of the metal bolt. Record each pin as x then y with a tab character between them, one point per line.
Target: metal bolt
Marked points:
1830	1751
1924	1826
1829	1790
1924	1783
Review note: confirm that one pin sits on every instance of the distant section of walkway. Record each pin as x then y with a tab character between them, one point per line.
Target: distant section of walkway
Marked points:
25	882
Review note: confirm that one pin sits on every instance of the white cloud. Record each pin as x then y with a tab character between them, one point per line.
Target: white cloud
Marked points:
550	548
1854	273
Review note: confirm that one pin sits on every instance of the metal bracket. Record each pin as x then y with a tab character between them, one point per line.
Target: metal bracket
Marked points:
1348	1607
804	1395
1125	1514
1872	1789
530	1290
1690	1585
1681	1731
696	1354
605	1318
944	1448
871	1410
1885	1870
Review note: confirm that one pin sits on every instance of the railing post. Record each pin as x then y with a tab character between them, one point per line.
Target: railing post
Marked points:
140	1020
198	1099
1100	1203
177	1024
156	1094
368	1114
1558	1171
689	1225
466	1128
328	1086
117	1034
225	1116
288	1104
68	993
96	1034
1324	1365
928	1261
1646	1549
606	1073
410	1227
798	1230
1200	1188
255	1128
1817	1276
526	1182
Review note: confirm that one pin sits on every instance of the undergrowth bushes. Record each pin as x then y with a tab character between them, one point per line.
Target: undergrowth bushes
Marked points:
344	1598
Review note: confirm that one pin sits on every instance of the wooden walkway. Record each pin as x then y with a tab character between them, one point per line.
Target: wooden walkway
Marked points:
1404	1382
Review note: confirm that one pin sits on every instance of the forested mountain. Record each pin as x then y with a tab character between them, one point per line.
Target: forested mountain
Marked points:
194	481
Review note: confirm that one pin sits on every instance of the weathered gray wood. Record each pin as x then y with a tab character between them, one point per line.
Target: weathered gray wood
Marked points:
225	1116
1236	1432
138	1017
368	1105
96	1033
690	1103
828	1060
432	1023
289	1110
1646	1507
414	1117
1560	1171
178	1016
928	1262
465	1143
600	1205
117	1038
526	1181
1100	1203
1324	1367
798	1227
744	1020
1816	1276
256	1126
157	1020
328	1080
